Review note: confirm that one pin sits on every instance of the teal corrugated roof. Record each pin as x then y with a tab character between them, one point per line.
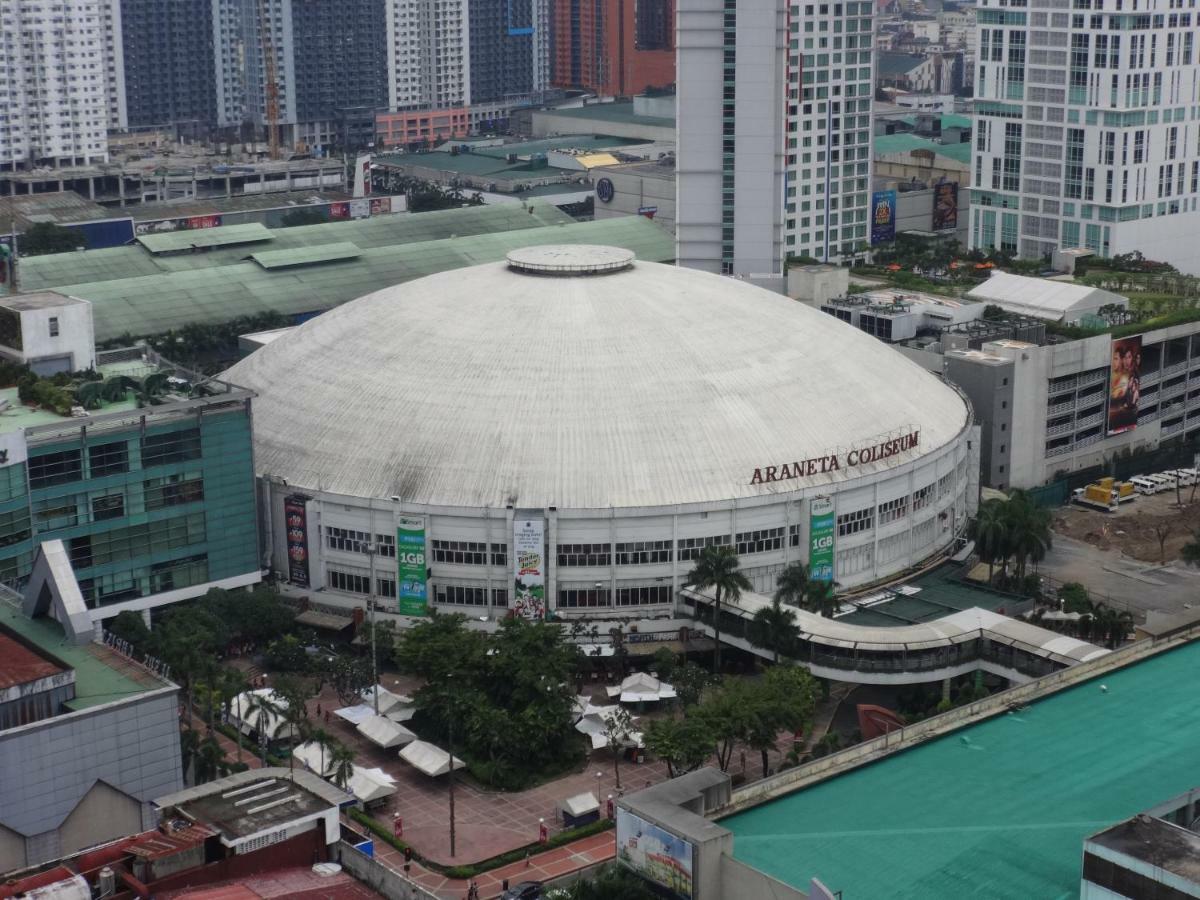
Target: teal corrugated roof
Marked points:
306	256
152	304
224	236
887	144
39	273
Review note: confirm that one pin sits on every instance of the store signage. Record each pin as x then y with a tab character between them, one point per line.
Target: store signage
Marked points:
529	568
821	529
295	515
604	190
412	569
834	462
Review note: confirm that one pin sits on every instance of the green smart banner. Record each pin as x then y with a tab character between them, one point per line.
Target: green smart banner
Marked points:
821	525
410	560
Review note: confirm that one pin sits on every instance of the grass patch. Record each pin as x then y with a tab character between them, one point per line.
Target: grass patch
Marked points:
384	833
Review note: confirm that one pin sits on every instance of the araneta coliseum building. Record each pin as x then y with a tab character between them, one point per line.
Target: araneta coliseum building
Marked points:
566	431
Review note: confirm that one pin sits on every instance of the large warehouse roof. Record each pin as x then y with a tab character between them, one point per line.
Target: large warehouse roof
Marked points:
646	386
152	304
41	272
1058	301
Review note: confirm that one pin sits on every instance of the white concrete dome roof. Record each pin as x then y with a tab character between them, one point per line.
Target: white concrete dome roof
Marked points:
533	384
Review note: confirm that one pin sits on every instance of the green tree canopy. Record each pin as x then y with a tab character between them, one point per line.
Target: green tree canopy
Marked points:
683	743
46	237
717	567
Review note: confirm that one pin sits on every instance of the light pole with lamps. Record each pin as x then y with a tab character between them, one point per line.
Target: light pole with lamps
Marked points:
370	548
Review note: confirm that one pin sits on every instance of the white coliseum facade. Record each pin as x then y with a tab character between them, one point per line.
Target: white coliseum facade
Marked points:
621	414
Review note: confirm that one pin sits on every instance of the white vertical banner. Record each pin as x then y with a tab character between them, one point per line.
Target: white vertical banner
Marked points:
529	567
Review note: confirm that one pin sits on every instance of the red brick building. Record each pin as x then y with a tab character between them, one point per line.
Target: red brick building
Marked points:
614	47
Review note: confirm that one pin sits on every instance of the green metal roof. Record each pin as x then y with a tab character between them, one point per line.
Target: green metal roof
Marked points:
101	676
306	256
224	236
152	304
621	111
887	144
998	809
38	273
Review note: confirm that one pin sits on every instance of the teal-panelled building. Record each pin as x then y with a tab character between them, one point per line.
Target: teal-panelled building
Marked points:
154	504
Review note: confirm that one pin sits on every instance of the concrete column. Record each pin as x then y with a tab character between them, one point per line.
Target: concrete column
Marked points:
121	188
61	185
228	186
146	617
262	184
946	689
91	187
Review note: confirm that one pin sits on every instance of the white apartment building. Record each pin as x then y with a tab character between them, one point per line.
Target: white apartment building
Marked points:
830	88
731	70
53	83
1088	128
114	64
429	64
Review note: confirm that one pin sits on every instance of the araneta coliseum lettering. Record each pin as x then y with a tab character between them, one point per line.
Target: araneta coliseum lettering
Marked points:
832	463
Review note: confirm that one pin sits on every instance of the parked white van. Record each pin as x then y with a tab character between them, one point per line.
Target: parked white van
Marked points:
1144	485
1164	482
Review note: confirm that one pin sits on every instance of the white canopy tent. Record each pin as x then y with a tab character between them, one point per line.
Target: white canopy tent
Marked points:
309	753
401	713
246	718
580	805
593	724
429	758
355	715
371	785
387	700
641	687
383	732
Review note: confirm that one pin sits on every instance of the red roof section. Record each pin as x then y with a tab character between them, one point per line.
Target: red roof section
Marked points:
20	665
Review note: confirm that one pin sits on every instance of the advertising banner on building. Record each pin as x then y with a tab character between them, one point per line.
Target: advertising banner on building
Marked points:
529	567
1124	384
657	855
945	206
822	524
339	210
883	217
362	177
381	206
360	209
295	516
191	223
412	574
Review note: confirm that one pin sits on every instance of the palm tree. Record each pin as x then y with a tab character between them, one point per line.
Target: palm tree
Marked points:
1191	550
260	709
792	584
231	683
989	531
342	762
773	628
821	599
327	742
717	568
1027	529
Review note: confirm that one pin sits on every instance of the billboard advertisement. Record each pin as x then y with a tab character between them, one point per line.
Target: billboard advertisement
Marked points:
360	209
105	233
190	223
822	525
1124	384
295	516
945	206
657	855
883	217
381	205
412	568
529	567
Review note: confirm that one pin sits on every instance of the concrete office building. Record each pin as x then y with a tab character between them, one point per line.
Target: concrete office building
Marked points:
829	126
1084	131
509	49
611	451
153	500
637	189
732	63
88	739
54	83
166	63
613	48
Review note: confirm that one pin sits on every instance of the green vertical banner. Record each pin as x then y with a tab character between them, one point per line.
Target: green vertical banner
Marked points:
821	525
410	560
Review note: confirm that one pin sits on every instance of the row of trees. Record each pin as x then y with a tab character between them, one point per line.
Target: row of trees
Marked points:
1015	531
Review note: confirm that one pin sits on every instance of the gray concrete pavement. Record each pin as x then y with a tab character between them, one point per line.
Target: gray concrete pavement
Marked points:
1127	583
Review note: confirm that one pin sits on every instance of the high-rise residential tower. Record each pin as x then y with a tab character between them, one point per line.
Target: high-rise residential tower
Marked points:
1086	132
510	49
428	60
164	52
53	83
613	47
829	123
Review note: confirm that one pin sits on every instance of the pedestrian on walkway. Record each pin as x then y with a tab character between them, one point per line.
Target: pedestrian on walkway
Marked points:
527	859
318	710
326	717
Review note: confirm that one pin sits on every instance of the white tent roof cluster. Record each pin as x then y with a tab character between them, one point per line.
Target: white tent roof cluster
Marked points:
246	718
1043	298
366	785
592	721
396	707
429	758
641	687
383	732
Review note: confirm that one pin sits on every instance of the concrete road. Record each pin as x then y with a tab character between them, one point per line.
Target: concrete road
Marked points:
1127	583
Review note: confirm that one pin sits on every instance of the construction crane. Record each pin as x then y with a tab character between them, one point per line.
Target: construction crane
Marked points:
271	87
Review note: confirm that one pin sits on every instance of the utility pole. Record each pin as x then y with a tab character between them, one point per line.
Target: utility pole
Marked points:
450	742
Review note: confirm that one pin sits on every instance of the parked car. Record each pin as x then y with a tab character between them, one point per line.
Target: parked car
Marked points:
524	890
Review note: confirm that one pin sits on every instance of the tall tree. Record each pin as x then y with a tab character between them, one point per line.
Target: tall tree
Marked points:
327	743
717	568
1027	531
618	729
231	683
684	744
989	531
260	709
342	763
774	628
1190	553
821	598
791	587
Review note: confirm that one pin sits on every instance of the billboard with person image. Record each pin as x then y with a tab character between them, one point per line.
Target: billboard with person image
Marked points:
1124	384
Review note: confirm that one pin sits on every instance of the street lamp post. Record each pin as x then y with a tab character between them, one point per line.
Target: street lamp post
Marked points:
450	743
599	775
